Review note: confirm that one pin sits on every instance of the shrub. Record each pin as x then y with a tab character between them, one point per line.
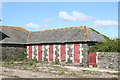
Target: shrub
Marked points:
107	46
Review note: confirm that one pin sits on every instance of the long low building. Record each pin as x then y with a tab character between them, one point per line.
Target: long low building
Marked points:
68	45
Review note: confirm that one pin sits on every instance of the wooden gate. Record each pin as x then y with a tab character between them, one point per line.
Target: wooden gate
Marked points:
92	59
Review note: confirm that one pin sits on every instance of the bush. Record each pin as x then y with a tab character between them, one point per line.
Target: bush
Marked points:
107	46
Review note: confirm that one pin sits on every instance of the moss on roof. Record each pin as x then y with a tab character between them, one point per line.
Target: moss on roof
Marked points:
107	38
69	34
18	28
77	27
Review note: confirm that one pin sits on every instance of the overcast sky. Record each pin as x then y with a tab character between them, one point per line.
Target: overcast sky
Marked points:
34	16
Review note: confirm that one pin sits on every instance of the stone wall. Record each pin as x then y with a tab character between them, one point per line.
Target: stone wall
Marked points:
69	53
12	51
45	52
108	60
85	48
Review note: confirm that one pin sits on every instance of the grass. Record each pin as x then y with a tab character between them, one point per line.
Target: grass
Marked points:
5	71
1	74
56	62
35	69
59	69
11	64
24	68
8	66
90	72
15	76
27	68
30	63
61	73
73	74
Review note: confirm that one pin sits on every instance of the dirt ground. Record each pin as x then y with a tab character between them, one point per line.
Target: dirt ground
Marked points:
9	73
46	70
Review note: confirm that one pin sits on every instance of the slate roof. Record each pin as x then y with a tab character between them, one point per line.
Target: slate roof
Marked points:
15	35
73	34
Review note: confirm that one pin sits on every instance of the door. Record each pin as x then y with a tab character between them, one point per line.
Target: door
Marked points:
30	52
92	59
50	52
40	52
77	53
63	52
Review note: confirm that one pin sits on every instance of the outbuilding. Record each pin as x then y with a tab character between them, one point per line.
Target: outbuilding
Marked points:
68	45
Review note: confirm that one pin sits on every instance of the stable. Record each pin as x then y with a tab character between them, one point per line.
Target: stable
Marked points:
68	45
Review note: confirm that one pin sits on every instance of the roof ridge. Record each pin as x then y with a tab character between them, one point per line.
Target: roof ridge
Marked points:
86	33
79	27
23	29
20	28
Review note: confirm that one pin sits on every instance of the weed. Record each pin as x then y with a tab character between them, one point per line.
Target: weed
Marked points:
90	72
61	72
26	60
56	67
8	66
73	74
87	72
34	60
35	70
24	68
56	62
1	74
30	63
5	71
11	62
15	76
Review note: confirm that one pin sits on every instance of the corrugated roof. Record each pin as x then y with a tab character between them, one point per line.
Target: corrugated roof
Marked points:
62	35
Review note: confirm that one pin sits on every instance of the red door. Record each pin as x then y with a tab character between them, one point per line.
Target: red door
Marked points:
63	52
30	52
50	52
92	59
40	52
77	53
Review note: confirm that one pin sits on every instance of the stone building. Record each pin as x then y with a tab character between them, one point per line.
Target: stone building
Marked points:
12	41
68	45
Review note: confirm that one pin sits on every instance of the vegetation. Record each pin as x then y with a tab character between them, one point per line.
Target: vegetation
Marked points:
90	72
61	72
56	62
15	76
107	46
105	37
74	74
8	65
